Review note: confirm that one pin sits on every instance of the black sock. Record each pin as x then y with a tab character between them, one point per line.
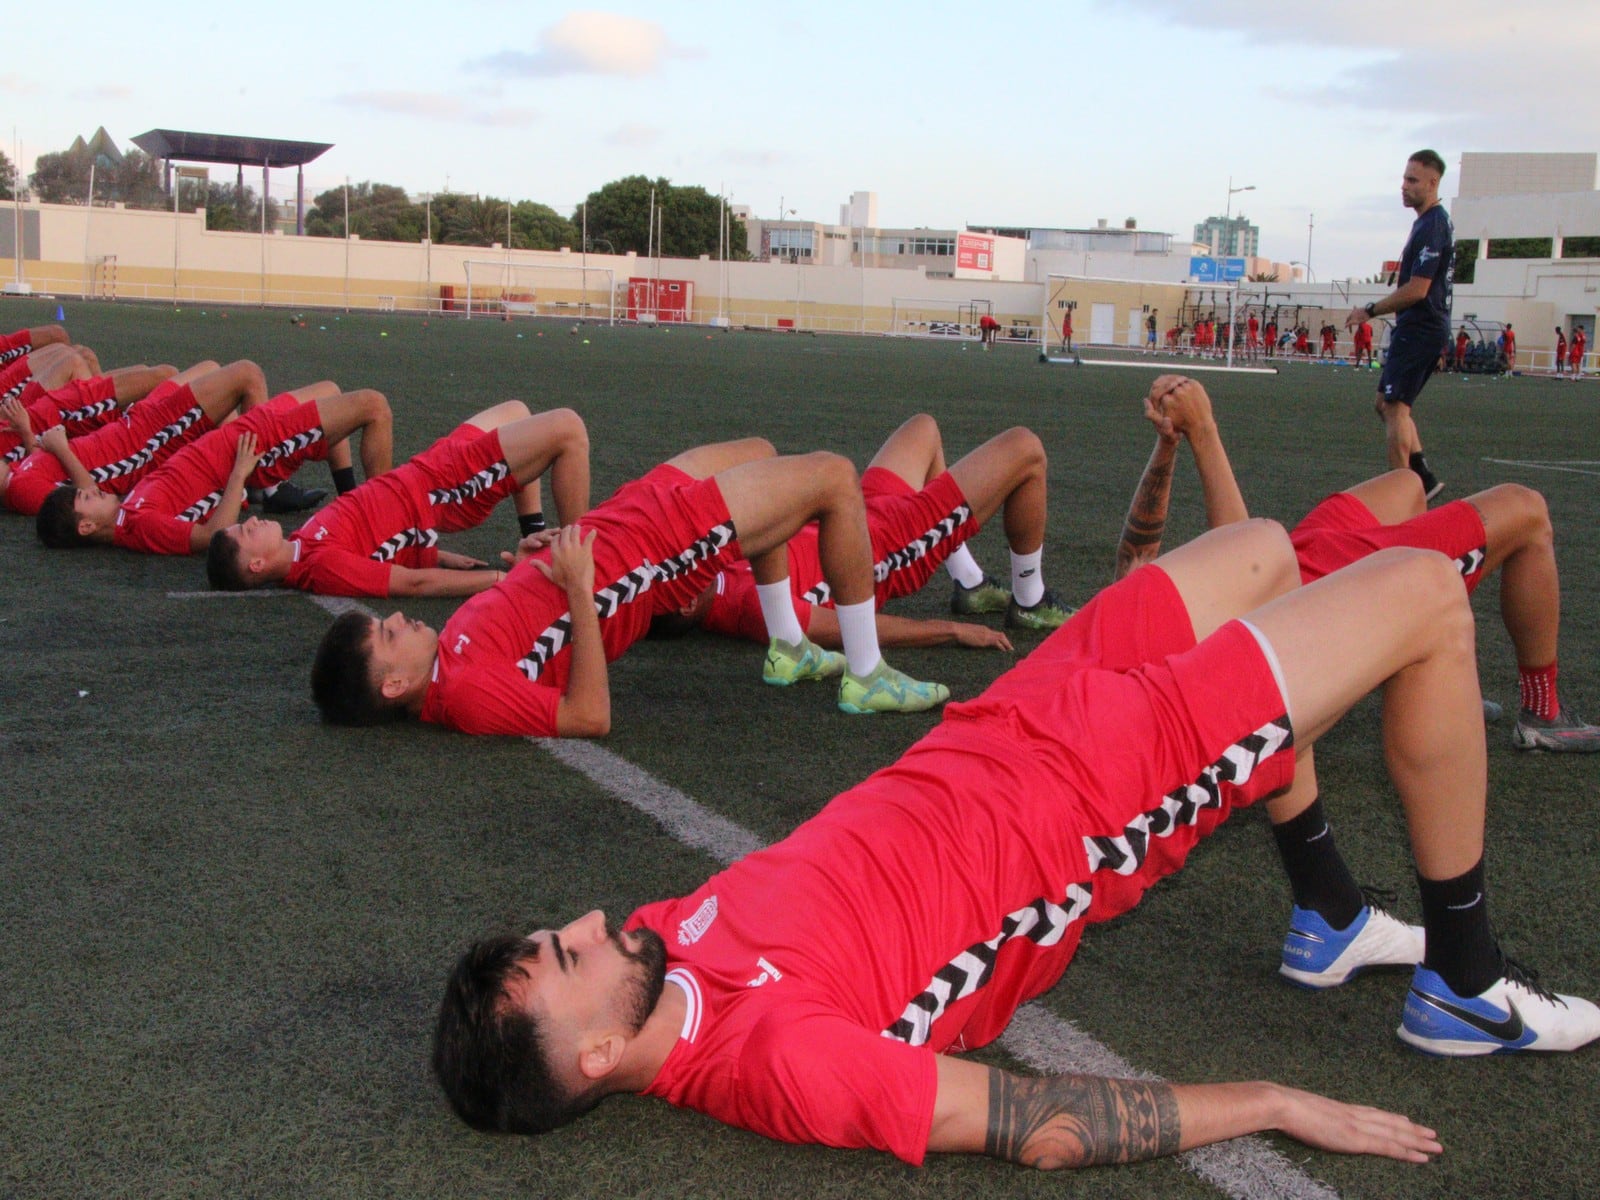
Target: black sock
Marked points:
344	479
1418	463
1461	947
1317	872
531	522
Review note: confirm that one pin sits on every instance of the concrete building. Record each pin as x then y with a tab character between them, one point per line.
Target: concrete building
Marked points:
1229	237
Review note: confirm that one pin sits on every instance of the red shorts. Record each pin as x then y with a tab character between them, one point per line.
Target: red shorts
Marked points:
913	531
288	432
15	345
465	474
1157	739
1341	530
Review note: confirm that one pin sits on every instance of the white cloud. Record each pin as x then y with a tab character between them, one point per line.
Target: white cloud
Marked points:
752	158
106	91
634	137
17	85
591	43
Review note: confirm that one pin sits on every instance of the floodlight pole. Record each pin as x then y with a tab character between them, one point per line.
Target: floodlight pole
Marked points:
1227	212
88	216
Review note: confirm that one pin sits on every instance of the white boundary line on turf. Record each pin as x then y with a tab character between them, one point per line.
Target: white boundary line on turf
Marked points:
254	593
1175	368
1245	1168
1568	465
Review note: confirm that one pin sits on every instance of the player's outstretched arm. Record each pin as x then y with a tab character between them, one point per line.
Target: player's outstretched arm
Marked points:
585	708
20	423
1188	410
1059	1121
823	629
441	581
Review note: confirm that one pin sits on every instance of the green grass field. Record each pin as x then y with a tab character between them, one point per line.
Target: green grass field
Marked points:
226	926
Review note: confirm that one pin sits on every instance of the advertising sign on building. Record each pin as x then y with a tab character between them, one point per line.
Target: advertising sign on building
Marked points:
974	252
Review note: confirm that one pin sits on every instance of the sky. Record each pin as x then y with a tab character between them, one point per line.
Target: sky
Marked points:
1023	113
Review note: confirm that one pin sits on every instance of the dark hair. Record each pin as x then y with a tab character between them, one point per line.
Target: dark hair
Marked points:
225	569
490	1058
57	521
341	677
1429	159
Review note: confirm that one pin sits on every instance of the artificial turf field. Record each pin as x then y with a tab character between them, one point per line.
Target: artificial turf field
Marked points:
226	926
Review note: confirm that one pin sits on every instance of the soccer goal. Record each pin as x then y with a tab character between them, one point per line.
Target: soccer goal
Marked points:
918	316
1122	314
502	289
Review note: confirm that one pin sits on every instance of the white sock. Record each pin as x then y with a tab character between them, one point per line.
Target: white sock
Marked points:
963	568
1027	580
267	491
858	629
777	608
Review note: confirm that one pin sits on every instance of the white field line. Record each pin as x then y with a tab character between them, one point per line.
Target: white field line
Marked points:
1571	466
258	593
1245	1168
1183	368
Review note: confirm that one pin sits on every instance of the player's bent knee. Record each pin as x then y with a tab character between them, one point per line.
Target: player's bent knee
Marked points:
1025	447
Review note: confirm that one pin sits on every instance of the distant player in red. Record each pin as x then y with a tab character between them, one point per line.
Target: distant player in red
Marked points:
176	507
382	538
1505	528
988	330
1575	354
1252	337
1066	331
529	655
115	456
920	516
1561	352
1328	335
1510	348
1462	342
1173	335
1363	343
1302	341
1270	337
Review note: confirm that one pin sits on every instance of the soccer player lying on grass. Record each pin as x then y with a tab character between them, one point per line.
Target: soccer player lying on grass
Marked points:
198	491
917	911
529	655
1336	929
1505	528
381	539
919	514
27	376
175	412
79	402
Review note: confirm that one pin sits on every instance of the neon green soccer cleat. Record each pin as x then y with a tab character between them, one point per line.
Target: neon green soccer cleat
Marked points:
788	664
1049	613
886	690
990	596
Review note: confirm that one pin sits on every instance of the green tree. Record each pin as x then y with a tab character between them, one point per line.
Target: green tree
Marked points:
379	212
537	226
1465	266
231	208
619	213
7	175
62	178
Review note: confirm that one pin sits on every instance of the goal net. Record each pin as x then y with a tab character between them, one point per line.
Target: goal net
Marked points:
502	289
1107	312
916	316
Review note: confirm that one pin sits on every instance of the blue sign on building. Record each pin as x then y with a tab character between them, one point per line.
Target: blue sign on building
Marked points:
1205	269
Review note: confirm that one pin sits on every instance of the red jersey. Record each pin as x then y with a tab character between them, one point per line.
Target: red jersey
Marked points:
912	532
504	657
1327	339
918	910
13	375
82	405
1575	355
351	547
118	454
1511	342
163	508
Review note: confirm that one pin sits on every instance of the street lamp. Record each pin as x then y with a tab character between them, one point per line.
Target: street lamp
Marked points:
1227	212
1311	275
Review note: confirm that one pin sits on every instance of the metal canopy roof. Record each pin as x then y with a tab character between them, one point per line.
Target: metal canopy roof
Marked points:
227	148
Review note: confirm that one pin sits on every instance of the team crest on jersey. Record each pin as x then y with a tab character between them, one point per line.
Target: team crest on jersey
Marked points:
692	929
768	973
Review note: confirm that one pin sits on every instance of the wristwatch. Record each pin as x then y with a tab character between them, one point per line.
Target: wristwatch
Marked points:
1369	306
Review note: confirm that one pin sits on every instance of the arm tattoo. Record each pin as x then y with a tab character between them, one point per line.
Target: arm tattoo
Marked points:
1079	1120
1147	516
